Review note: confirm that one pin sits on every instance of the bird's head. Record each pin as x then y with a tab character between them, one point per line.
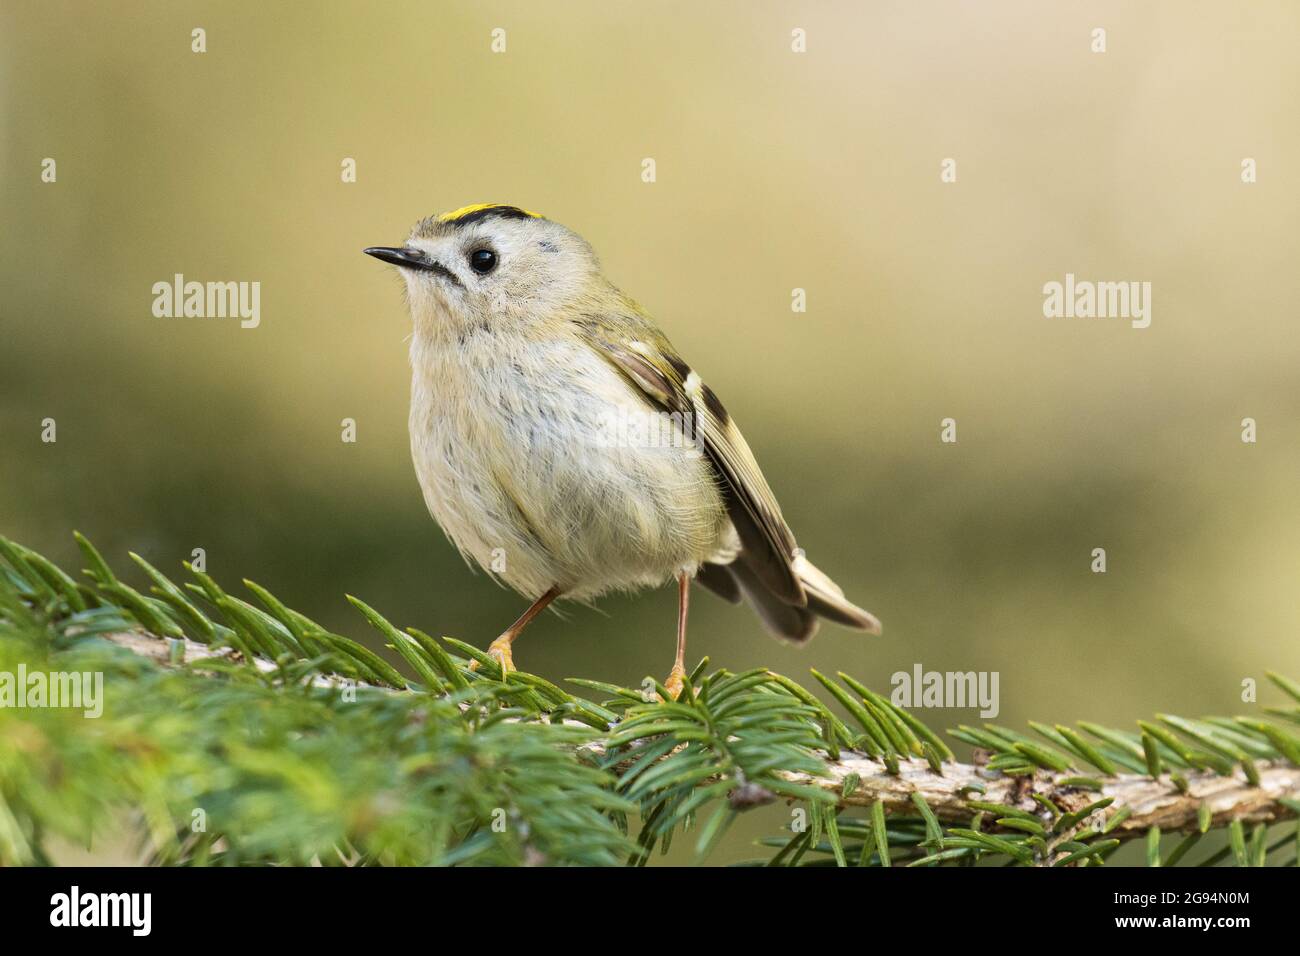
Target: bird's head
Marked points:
492	266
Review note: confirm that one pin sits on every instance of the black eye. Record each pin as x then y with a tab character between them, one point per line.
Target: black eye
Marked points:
482	261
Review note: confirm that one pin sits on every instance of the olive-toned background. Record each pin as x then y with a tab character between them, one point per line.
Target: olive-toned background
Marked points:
776	170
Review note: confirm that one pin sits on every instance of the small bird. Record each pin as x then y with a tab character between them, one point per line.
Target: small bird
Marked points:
564	446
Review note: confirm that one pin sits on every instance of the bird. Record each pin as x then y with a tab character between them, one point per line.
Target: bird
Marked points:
564	445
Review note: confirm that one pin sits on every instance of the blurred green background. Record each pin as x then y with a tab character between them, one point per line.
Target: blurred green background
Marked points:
775	170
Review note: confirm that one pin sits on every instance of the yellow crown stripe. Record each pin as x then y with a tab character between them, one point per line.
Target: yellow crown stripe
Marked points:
464	211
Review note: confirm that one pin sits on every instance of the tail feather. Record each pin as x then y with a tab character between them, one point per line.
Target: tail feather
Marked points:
719	579
827	598
789	621
794	623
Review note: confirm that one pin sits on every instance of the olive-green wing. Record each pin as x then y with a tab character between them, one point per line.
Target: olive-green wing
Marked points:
786	589
768	543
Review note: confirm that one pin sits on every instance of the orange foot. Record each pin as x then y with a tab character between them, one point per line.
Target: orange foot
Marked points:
499	651
676	681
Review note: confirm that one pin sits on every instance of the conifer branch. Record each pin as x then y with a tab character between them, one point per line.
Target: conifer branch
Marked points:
1148	801
1140	801
369	765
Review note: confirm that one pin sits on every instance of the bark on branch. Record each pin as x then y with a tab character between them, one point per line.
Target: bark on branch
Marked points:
1151	802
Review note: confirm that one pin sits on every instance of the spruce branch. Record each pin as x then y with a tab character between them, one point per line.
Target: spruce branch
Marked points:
510	768
1139	800
1146	801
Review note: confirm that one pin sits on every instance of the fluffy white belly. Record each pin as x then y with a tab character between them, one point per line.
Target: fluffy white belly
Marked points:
542	464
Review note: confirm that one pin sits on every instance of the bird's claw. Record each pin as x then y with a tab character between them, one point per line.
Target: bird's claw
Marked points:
676	681
499	651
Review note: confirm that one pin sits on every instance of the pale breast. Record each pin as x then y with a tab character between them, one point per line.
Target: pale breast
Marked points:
541	463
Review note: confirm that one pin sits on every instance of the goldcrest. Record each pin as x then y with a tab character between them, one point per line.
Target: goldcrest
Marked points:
565	447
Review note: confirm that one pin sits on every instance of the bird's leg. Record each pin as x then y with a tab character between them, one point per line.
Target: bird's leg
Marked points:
499	650
677	678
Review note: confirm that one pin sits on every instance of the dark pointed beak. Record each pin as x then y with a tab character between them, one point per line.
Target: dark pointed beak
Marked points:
406	258
412	259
